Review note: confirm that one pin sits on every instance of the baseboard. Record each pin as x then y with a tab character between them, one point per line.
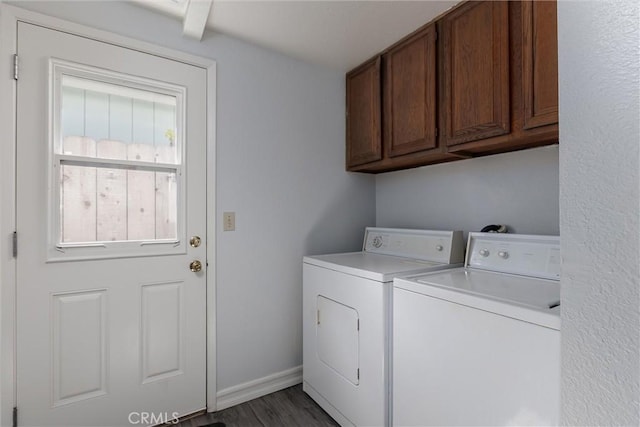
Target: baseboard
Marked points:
257	388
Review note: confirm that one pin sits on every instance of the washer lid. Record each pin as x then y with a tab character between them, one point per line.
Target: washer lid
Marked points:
525	298
381	268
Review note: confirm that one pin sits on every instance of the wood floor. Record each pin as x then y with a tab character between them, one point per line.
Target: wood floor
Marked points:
290	407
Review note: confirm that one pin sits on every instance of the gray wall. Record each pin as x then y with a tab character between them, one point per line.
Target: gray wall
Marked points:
599	72
280	167
518	189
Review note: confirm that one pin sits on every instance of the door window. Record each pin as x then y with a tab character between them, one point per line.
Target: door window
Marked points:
117	150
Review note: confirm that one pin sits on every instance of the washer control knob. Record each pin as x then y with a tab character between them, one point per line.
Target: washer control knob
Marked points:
439	248
503	254
377	241
484	252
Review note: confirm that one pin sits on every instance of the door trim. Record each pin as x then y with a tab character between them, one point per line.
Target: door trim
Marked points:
9	17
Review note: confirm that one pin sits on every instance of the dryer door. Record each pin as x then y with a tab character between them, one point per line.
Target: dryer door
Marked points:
337	342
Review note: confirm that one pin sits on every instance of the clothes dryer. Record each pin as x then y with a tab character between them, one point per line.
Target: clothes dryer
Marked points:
346	315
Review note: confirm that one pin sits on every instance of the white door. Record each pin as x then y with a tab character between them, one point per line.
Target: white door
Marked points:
110	189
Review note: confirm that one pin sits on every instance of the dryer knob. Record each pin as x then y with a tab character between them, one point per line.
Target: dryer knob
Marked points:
503	254
484	252
439	248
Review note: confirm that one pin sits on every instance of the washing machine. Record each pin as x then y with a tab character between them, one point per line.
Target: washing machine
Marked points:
480	345
346	318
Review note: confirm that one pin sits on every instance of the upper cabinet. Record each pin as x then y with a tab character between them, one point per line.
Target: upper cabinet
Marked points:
539	63
409	81
475	78
481	79
499	76
410	95
364	143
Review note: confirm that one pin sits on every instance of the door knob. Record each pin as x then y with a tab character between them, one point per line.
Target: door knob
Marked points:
195	241
195	266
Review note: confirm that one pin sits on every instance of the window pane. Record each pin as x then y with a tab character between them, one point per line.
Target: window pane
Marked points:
94	111
103	204
78	204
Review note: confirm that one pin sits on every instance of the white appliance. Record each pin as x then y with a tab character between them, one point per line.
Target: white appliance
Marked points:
346	304
480	345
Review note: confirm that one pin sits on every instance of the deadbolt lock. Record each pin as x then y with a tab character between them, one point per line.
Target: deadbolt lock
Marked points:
195	241
195	266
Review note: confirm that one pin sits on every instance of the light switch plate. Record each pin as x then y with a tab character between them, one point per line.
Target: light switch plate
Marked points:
229	221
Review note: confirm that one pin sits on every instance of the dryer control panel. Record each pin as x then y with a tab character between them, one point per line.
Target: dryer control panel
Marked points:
428	245
526	255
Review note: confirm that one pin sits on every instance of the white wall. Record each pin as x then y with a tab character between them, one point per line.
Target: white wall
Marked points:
518	189
599	72
280	150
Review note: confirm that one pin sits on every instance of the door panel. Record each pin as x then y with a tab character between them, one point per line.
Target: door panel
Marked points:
162	331
364	139
410	101
79	338
110	320
476	72
540	63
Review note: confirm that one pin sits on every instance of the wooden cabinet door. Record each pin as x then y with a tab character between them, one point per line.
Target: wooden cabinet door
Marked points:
475	93
364	143
410	95
539	63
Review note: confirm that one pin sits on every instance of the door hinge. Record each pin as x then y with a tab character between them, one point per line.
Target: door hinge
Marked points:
358	325
15	416
436	132
15	67
436	35
318	317
358	373
14	240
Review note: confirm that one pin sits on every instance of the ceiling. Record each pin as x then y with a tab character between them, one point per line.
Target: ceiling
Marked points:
333	33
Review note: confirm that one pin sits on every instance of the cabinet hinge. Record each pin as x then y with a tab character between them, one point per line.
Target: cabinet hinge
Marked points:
15	67
358	373
14	241
436	132
15	416
358	325
318	317
436	35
